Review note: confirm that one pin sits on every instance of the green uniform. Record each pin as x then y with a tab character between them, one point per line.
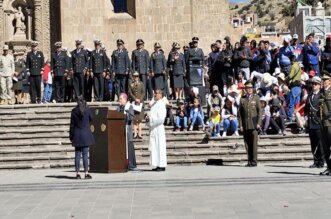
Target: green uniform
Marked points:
137	91
249	118
326	121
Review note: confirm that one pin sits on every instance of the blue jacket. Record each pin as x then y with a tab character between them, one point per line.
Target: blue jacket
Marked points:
283	58
311	54
80	133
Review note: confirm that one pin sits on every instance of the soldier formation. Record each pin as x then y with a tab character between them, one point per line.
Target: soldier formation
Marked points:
256	87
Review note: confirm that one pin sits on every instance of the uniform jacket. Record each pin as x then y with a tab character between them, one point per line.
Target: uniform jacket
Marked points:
326	108
35	62
312	110
120	62
195	54
177	66
98	62
140	60
129	113
250	112
326	60
79	60
59	63
243	62
136	91
7	65
158	63
80	133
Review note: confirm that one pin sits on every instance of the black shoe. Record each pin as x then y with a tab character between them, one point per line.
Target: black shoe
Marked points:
314	165
253	164
156	169
320	165
78	176
161	169
248	165
88	176
326	172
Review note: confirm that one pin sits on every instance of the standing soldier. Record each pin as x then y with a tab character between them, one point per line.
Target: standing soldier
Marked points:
194	54
178	68
312	109
35	68
250	120
158	68
98	65
7	70
59	67
79	66
326	112
120	64
140	63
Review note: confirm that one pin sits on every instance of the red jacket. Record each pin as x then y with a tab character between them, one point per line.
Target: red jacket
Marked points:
47	69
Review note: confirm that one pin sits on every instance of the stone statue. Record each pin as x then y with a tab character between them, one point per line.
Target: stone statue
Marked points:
319	5
19	19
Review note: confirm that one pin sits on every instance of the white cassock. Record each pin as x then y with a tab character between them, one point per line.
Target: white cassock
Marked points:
157	138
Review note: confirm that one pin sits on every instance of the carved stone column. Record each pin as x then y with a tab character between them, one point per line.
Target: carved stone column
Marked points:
46	28
38	16
29	24
1	23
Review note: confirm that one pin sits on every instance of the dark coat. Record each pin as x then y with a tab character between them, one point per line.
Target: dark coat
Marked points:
98	62
35	62
177	66
243	62
59	63
140	61
79	61
80	133
195	54
312	110
158	63
120	62
250	113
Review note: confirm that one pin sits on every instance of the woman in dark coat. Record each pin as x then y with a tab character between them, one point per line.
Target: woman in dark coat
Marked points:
80	135
126	108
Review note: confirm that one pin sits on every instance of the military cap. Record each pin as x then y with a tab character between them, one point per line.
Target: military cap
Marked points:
5	47
97	41
139	42
34	43
195	39
190	43
316	80
78	41
157	45
180	102
135	73
249	84
326	75
120	42
58	44
176	46
311	35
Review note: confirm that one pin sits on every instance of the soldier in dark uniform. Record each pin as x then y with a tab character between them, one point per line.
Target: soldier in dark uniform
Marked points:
69	79
195	54
326	120
250	120
312	110
35	68
79	66
19	74
158	67
136	95
178	69
98	70
120	64
59	67
108	95
140	63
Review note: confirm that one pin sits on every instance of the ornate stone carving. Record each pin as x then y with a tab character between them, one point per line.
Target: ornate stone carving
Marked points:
19	24
46	27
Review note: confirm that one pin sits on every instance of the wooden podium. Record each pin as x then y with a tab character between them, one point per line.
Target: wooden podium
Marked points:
109	153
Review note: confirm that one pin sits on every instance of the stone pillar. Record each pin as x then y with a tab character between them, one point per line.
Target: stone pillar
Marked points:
1	23
38	21
29	24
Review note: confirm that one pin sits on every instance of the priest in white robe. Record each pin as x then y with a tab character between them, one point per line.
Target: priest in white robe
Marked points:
157	137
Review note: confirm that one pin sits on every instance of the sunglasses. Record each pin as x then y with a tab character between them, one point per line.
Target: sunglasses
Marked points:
315	84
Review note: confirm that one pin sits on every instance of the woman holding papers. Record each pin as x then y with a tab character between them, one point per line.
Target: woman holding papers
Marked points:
136	94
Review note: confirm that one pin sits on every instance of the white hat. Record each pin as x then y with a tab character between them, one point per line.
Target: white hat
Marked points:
5	47
295	36
277	72
267	80
287	38
281	76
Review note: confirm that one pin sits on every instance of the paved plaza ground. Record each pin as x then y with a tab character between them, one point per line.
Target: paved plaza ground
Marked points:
268	191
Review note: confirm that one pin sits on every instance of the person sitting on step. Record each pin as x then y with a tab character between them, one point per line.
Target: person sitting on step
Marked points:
181	116
196	115
229	116
215	122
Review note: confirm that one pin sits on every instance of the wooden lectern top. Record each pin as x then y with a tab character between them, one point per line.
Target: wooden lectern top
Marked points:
113	114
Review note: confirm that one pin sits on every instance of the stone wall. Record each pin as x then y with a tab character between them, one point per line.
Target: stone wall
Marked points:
163	21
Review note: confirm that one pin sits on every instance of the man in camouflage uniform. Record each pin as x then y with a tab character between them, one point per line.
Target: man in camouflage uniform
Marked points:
7	70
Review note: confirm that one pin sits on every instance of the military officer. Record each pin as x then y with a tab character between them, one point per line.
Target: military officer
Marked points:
7	70
312	110
158	67
120	64
195	54
140	63
59	68
35	68
79	66
98	68
326	120
136	95
250	120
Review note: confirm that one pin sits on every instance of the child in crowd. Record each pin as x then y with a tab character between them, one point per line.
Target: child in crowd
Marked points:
215	122
229	116
48	81
196	114
278	117
181	116
265	115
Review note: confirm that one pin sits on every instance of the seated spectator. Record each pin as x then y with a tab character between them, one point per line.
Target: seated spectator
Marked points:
278	116
215	122
181	116
229	116
196	115
265	115
214	99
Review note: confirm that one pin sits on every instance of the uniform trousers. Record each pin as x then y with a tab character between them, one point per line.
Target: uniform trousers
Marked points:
120	84
59	88
148	86
99	86
326	145
250	139
35	88
6	85
79	84
315	136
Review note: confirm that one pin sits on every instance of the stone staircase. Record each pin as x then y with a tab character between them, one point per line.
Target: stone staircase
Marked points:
36	136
